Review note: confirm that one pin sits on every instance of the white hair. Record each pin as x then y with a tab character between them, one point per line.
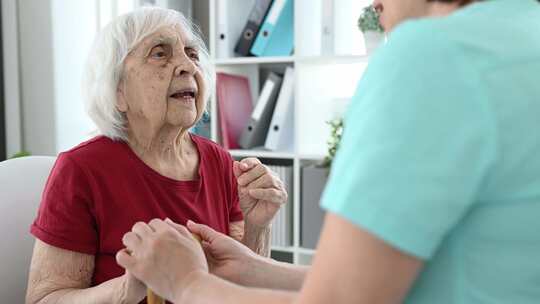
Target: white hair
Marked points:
105	63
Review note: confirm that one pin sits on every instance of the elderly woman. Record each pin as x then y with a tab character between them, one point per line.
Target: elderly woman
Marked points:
147	83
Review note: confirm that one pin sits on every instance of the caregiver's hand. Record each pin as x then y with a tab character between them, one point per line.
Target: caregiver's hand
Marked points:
166	259
227	258
260	191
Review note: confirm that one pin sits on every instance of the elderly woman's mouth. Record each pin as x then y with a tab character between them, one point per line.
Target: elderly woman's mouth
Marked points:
184	94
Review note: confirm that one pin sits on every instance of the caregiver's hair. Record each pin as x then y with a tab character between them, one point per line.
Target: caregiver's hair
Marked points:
105	63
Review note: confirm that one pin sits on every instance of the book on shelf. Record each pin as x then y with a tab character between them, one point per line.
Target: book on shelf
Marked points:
251	29
234	107
282	224
276	35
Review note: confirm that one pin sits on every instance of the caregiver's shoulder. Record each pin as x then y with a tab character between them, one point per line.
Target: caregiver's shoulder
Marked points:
482	31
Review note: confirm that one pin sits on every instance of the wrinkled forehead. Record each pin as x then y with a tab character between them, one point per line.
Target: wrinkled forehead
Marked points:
172	35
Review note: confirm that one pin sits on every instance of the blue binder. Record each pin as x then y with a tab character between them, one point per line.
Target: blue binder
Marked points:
276	36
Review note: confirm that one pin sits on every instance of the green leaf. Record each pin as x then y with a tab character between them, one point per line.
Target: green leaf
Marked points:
20	154
369	20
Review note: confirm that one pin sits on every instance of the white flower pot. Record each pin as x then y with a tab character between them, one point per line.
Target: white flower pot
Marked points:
372	41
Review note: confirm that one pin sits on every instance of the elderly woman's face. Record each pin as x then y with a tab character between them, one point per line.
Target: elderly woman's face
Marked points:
162	84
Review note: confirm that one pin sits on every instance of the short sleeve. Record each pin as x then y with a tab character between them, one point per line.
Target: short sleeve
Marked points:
418	141
66	218
235	213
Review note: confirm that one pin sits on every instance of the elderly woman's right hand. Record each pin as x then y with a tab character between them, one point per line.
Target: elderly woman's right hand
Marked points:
129	290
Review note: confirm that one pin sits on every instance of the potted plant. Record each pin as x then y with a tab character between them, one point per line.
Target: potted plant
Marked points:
336	130
370	26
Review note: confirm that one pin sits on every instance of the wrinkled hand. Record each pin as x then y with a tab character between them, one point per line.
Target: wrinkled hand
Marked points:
130	289
260	191
164	258
227	258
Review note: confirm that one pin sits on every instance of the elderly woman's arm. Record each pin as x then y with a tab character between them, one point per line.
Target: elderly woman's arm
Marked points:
255	238
62	276
261	194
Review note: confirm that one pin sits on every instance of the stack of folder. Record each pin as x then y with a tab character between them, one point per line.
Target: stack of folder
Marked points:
269	125
268	30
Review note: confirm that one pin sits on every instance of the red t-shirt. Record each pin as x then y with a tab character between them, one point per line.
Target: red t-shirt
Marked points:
98	190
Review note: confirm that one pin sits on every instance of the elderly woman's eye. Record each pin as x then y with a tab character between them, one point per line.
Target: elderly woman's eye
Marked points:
159	52
193	54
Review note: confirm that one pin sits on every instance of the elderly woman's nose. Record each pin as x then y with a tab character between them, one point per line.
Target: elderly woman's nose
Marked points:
185	68
183	64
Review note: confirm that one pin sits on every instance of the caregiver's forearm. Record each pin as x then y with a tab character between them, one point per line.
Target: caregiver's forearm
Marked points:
268	273
105	293
207	288
257	238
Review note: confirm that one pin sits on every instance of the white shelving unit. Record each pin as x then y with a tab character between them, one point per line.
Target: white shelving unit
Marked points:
323	86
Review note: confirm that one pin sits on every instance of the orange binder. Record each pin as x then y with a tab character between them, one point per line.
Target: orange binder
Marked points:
234	107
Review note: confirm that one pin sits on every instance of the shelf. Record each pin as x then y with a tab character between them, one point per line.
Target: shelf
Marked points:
253	60
262	154
312	157
283	249
306	251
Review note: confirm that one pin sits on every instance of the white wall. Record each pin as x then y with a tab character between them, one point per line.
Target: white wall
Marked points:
74	25
54	39
36	66
11	77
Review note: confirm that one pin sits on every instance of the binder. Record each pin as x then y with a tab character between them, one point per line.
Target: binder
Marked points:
347	38
234	107
254	133
251	29
327	27
231	16
276	36
281	130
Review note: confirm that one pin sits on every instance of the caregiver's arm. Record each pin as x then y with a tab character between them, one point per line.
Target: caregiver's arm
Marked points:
235	262
351	266
62	276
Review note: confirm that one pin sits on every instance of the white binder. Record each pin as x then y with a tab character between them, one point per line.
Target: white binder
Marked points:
231	17
281	131
327	28
254	134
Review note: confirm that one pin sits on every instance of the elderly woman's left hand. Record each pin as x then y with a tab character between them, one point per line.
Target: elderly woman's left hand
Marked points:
261	192
163	256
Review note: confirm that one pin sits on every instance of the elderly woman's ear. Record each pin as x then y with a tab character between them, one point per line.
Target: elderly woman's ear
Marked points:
121	103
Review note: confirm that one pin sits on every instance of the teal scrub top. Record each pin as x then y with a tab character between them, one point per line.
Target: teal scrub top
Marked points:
440	155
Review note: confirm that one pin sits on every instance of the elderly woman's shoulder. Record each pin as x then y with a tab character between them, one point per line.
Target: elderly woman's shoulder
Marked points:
97	150
207	146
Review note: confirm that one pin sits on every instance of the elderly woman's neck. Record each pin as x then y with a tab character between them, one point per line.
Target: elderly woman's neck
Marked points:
164	146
